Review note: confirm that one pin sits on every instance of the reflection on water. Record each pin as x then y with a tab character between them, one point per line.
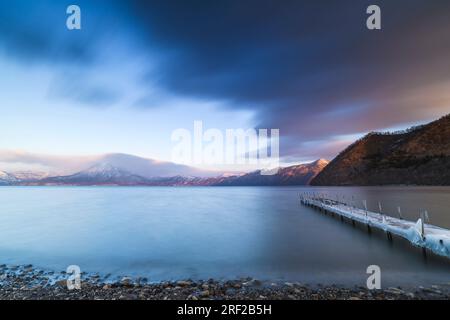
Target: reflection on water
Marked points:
224	232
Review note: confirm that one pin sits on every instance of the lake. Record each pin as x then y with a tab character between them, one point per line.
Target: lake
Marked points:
168	233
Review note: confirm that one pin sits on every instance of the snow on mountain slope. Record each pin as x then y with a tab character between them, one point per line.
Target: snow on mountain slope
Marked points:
7	178
13	161
127	170
149	168
99	174
29	175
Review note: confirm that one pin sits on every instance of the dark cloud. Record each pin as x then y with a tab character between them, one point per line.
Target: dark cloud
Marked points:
309	68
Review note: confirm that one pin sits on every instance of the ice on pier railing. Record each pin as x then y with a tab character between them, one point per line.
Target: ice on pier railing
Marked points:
418	233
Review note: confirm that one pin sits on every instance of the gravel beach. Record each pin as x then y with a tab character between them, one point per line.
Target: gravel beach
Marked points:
29	283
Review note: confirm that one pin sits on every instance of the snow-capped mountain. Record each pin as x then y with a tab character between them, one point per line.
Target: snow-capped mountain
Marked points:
69	165
29	175
99	174
147	168
106	174
7	178
128	170
108	169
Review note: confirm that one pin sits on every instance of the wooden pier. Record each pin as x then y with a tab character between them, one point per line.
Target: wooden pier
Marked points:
418	233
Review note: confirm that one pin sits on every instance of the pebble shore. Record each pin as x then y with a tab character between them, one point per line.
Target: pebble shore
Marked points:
29	283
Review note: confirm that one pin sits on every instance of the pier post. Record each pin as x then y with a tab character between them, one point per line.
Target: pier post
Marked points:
426	217
352	204
420	228
424	252
365	206
389	235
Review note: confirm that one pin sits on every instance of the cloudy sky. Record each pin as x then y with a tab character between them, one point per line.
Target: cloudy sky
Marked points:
138	70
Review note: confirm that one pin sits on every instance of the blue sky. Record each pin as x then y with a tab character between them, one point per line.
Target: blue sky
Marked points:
140	69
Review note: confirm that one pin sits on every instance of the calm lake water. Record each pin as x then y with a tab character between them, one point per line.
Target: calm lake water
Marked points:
224	232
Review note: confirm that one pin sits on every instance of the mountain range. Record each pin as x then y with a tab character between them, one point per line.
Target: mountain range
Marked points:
416	156
116	170
289	176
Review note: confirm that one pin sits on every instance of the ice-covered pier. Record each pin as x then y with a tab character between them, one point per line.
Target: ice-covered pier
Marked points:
418	233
